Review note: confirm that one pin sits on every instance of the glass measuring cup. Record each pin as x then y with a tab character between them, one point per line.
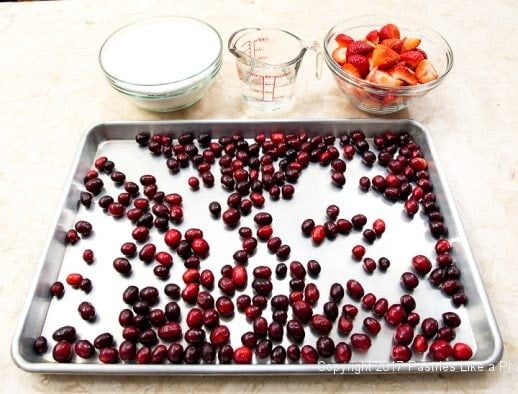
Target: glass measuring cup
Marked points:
268	61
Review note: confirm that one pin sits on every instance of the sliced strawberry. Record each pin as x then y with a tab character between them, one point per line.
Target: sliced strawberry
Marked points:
373	36
361	63
383	78
343	40
383	57
389	31
359	48
410	43
339	55
412	58
404	74
349	68
393	43
425	72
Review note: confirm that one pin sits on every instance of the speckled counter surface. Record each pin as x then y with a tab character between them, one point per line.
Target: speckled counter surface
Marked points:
51	90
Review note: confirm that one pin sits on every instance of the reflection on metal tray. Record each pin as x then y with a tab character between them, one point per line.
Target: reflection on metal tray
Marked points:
403	239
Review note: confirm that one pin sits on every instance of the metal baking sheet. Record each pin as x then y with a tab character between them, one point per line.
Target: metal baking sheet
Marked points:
402	239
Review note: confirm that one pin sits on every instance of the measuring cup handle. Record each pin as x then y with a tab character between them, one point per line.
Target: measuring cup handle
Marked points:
315	47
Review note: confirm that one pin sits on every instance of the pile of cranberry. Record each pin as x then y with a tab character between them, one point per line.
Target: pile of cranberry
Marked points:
270	165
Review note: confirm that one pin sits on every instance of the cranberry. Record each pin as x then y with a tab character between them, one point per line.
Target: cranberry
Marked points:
404	334
378	226
147	253
361	342
307	226
380	307
122	265
459	298
383	263
440	350
411	207
408	302
409	280
127	351
365	183
87	311
143	355
287	191
462	352
62	352
342	353
200	247
355	289
451	319
242	355
293	353
40	345
336	292
321	324
74	279
130	295
429	327
171	331
72	237
369	264
332	211
372	325
308	354
109	355
446	333
84	349
57	289
231	217
442	246
225	306
358	252
190	292
86	199
140	233
103	340
401	353
262	286
368	301
451	286
421	264
395	315
94	186
295	331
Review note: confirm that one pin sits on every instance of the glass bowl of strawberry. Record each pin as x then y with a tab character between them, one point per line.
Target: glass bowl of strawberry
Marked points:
382	66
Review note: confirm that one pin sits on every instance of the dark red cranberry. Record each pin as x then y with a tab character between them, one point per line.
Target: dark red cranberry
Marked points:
380	307
404	334
94	186
409	280
57	289
368	301
336	292
225	306
65	333
126	318
122	265
140	233
72	237
86	199
459	298
359	221
365	183
127	351
130	295
321	324
446	333
40	345
171	331
331	310
191	355
408	302
325	346
429	327
87	311
103	340
401	353
451	319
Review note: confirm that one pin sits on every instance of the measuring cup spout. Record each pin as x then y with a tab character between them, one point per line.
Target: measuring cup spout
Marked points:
233	46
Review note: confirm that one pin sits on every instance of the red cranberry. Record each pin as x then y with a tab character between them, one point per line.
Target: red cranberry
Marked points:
380	307
446	333
421	264
242	355
369	264
72	237
411	207
451	319
332	211
62	352
171	331
404	334
420	344
225	306
401	353
358	252
109	355
459	298
440	350
372	325
74	279
368	301
147	253
321	324
308	354
342	353
361	342
84	349
190	292
200	247
355	289
231	217
395	315
442	246
462	352
379	227
307	226
122	265
140	233
365	183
